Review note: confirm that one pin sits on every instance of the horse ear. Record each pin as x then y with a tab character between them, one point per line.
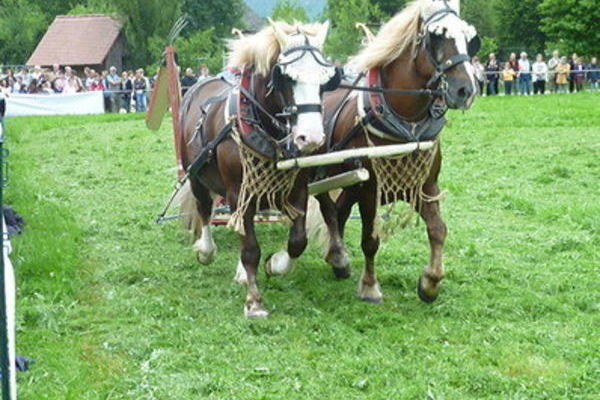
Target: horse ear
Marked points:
322	34
279	34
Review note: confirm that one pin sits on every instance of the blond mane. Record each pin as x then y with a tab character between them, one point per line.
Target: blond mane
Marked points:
396	36
262	49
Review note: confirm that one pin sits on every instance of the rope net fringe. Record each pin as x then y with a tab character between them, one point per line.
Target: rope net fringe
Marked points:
261	182
401	178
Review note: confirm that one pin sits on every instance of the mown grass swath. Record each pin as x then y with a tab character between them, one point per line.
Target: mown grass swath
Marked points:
113	306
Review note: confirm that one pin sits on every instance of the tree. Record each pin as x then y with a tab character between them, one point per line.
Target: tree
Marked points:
344	39
221	15
519	26
481	14
390	7
289	11
22	25
572	25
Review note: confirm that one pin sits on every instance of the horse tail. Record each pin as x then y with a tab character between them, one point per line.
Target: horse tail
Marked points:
189	210
316	229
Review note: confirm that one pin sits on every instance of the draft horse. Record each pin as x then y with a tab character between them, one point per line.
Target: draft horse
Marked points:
273	112
416	68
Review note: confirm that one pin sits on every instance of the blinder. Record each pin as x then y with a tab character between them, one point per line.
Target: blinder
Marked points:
474	46
279	81
334	82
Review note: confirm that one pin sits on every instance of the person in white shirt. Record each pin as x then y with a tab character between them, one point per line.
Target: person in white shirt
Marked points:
524	75
479	73
540	75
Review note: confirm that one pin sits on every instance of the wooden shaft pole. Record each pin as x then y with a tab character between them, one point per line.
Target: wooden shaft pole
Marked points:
338	157
339	181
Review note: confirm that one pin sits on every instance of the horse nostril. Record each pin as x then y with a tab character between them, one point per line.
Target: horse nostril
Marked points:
464	92
301	139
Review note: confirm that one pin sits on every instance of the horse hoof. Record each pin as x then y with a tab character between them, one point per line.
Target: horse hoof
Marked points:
255	311
424	295
205	251
340	263
279	263
342	273
205	259
370	294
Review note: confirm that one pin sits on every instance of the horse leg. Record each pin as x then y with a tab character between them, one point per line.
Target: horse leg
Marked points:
282	262
204	245
337	256
250	258
368	286
429	283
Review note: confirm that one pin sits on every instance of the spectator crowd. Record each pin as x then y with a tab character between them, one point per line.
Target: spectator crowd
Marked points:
124	91
523	77
128	91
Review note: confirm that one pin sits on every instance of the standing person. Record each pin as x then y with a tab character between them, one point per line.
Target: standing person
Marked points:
97	83
514	64
73	84
114	86
562	75
5	87
552	64
479	73
540	75
508	76
204	72
127	89
574	58
524	75
491	72
140	85
593	75
90	78
188	81
579	74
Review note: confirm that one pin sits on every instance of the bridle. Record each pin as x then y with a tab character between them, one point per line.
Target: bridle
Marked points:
437	85
438	79
276	87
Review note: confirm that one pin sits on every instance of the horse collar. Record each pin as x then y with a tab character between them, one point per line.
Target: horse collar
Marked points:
381	120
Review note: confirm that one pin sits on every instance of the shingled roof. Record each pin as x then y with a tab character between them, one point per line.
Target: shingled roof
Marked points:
77	40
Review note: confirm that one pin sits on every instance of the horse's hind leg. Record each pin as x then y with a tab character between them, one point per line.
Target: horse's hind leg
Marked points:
337	256
368	286
204	245
250	258
429	283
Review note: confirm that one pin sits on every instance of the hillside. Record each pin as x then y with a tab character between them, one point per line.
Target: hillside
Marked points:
314	8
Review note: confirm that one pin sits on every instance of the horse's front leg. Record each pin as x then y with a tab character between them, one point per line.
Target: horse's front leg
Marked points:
368	286
429	283
250	258
282	262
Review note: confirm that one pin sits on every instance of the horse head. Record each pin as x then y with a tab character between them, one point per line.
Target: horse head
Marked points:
446	45
299	77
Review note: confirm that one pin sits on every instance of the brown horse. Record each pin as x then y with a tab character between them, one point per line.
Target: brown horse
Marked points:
234	133
416	67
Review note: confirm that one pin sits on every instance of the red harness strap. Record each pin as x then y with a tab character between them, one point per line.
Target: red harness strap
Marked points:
243	104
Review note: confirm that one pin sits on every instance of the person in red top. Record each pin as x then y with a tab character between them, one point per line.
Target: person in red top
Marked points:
97	83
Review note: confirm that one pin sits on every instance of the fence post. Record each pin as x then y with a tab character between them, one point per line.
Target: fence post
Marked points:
7	367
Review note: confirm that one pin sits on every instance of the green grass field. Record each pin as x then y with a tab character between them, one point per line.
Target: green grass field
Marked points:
112	306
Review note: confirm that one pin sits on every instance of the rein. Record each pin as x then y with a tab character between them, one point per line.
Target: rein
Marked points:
410	92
